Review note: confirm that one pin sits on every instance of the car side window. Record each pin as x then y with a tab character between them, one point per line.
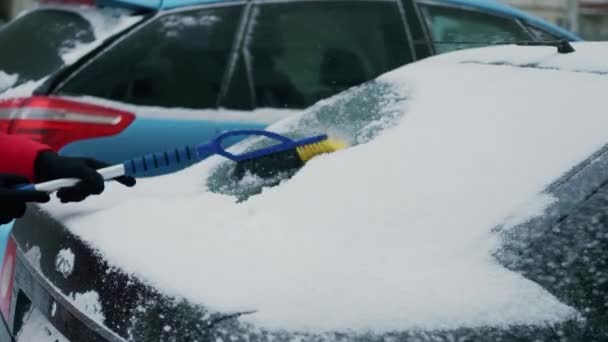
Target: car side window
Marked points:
177	60
32	52
301	52
541	35
456	28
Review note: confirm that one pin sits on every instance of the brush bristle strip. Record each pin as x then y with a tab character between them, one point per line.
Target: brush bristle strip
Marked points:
310	151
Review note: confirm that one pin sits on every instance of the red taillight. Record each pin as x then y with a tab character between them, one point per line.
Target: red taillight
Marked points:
7	275
57	122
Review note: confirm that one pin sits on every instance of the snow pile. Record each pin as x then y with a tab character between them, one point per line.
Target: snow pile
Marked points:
391	234
7	81
88	303
22	90
64	262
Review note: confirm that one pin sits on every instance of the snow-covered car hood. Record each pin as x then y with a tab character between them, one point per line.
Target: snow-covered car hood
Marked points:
394	233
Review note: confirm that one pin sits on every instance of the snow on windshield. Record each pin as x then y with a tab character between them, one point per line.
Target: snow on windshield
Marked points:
394	233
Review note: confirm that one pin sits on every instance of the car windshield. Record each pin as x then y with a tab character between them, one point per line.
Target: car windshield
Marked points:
403	235
30	53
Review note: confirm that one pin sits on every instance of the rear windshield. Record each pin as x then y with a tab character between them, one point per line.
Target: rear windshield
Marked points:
32	45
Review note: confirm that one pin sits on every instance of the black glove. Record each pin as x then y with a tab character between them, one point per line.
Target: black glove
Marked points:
50	166
12	202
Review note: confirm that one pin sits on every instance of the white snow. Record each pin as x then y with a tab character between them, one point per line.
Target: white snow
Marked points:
534	208
38	329
388	235
22	90
64	262
88	303
6	80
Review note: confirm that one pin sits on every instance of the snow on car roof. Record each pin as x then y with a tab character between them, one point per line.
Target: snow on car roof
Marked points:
394	233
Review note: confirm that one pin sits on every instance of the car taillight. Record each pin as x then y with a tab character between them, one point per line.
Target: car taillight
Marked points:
7	275
57	122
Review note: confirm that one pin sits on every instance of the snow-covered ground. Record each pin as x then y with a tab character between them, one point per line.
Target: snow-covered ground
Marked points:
393	233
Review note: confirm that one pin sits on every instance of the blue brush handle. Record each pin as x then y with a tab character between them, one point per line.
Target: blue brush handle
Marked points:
285	144
190	154
161	160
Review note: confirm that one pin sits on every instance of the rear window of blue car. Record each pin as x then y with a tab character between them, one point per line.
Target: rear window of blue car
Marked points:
177	60
32	45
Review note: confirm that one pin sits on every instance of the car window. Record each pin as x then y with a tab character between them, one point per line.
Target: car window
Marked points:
541	34
455	28
301	52
31	46
177	60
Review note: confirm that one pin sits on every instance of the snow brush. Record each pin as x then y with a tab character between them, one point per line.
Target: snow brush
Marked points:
284	155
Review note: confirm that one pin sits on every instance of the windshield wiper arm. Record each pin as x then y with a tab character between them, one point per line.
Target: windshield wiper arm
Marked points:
563	46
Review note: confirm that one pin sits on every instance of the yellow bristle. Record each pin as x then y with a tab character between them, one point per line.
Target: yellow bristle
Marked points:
310	151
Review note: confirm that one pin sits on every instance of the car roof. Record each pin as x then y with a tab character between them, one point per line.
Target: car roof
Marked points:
485	5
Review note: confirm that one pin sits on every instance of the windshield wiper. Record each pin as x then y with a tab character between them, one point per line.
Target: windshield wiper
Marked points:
563	46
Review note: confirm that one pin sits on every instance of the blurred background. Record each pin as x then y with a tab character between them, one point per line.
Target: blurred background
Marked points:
588	18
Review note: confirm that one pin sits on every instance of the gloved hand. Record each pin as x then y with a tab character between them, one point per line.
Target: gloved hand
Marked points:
49	166
12	202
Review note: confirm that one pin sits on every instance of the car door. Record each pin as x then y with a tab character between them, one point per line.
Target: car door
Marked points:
454	27
295	53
